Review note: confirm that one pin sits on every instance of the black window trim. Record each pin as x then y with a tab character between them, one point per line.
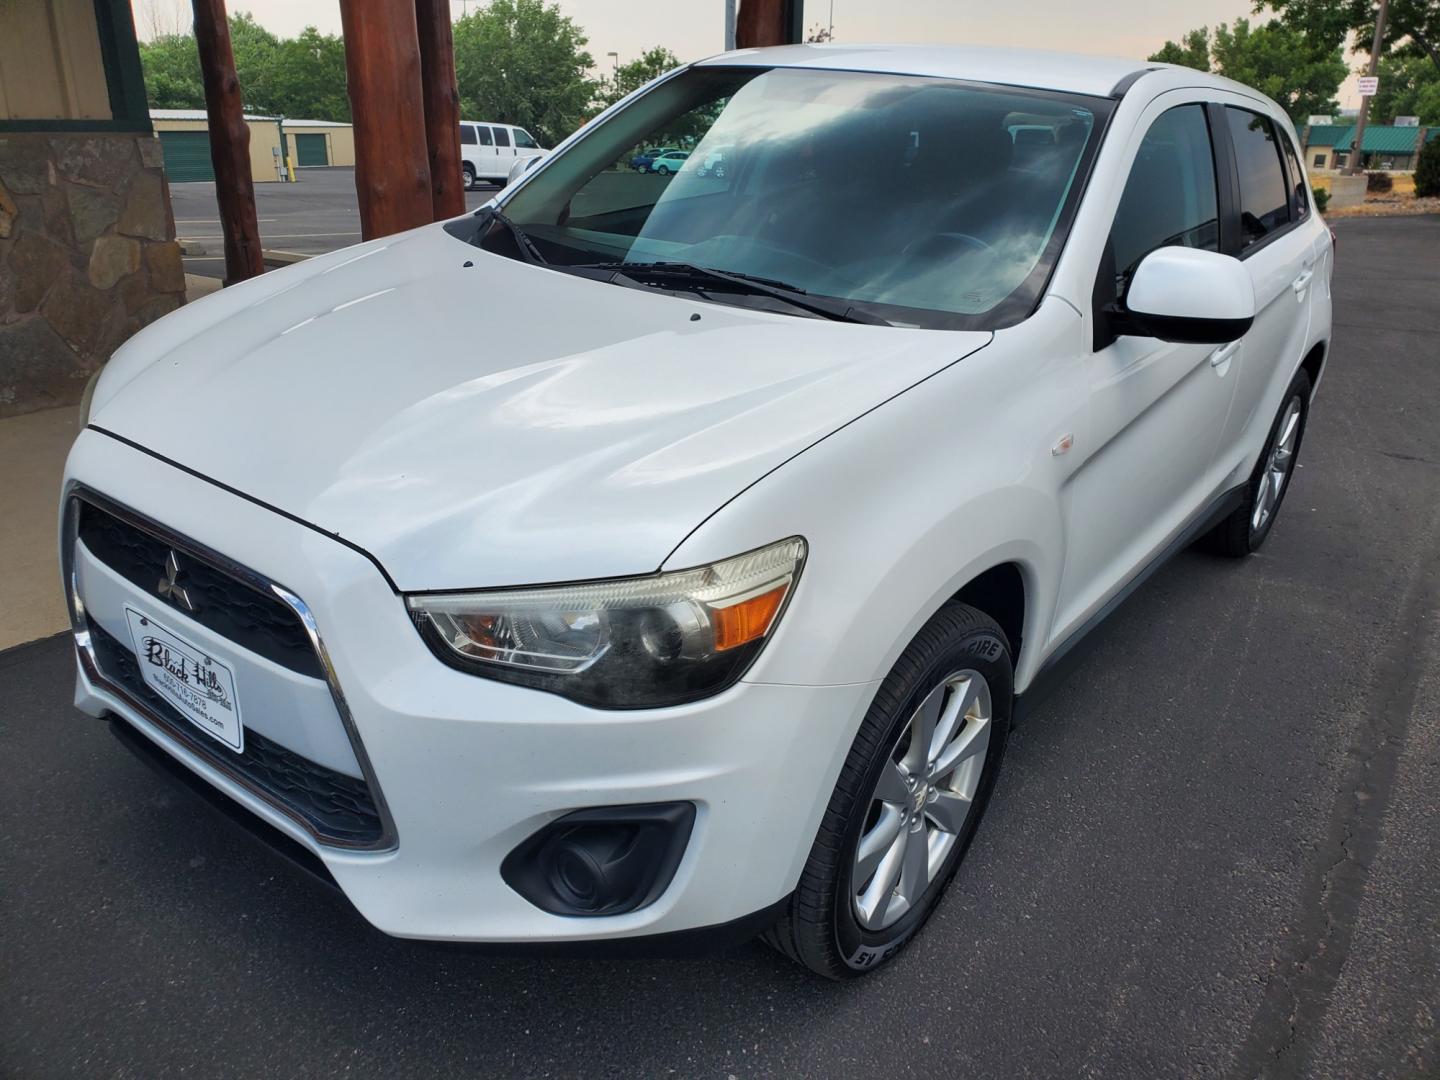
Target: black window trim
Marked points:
1294	223
1226	207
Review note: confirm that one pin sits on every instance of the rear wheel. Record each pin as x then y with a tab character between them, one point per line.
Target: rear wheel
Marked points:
1249	524
908	800
469	173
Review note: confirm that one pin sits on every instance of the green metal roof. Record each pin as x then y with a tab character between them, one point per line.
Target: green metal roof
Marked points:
1379	138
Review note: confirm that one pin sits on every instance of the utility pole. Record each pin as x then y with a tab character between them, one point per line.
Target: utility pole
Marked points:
1355	168
729	25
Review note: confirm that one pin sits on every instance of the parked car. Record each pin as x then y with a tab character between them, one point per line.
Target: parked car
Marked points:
669	162
575	637
488	150
642	161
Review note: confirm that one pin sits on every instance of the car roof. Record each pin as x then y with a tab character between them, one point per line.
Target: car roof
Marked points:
1076	73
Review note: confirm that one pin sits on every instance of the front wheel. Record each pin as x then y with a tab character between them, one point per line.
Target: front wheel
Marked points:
1249	524
663	170
908	800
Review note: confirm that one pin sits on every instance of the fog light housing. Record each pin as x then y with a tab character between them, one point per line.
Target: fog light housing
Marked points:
607	860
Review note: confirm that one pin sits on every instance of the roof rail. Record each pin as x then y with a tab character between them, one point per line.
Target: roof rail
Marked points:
1118	90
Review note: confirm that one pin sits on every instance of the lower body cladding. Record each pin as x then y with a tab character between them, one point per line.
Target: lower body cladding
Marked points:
413	782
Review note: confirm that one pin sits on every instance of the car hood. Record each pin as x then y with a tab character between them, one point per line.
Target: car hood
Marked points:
472	421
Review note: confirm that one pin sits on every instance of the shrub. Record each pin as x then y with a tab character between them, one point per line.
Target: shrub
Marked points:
1378	182
1322	197
1427	170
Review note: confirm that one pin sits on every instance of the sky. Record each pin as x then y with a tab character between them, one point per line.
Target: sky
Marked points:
695	28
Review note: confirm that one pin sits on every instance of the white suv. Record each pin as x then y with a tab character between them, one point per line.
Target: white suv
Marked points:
696	597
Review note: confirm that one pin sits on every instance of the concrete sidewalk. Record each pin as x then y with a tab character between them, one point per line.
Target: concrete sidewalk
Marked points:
32	457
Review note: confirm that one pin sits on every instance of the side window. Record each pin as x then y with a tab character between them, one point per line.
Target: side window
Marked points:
1264	195
525	140
502	136
467	135
1169	198
486	139
1298	181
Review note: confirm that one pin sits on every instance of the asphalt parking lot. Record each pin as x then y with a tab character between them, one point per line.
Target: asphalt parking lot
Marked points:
1215	851
316	214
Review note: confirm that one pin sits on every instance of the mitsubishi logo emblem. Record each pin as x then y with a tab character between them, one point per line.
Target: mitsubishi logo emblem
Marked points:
169	586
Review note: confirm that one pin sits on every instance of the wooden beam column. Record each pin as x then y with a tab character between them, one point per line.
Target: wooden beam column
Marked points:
442	107
769	22
229	143
392	160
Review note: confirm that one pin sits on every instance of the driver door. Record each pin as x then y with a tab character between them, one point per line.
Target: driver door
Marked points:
1157	408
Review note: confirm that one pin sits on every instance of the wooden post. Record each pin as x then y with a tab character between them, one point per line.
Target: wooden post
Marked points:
392	161
442	107
229	143
769	22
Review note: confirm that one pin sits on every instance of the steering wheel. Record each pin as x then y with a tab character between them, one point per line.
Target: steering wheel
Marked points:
950	237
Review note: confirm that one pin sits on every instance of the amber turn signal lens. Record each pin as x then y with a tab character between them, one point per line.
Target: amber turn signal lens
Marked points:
744	622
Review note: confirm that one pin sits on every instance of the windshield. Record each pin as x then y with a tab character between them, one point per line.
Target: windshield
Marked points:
926	201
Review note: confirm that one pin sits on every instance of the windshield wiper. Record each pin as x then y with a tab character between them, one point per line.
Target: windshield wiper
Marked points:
661	273
522	239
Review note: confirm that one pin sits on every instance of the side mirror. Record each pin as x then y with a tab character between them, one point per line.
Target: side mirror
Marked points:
520	166
1187	295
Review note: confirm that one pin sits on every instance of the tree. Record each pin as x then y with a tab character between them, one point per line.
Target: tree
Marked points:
630	77
1409	86
1192	52
1407	22
1427	170
523	62
171	66
1298	69
307	77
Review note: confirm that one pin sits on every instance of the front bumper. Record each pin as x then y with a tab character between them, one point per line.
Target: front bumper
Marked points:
466	768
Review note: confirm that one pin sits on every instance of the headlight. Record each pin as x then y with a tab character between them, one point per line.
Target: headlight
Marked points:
622	644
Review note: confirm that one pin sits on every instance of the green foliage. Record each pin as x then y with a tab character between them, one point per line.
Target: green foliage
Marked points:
302	76
523	62
630	77
1427	170
1299	69
1322	197
1409	86
1192	52
1414	24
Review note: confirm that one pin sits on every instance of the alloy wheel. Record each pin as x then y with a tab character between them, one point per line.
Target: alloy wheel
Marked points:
1278	465
924	796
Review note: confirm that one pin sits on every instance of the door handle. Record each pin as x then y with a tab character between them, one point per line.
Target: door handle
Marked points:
1302	282
1224	354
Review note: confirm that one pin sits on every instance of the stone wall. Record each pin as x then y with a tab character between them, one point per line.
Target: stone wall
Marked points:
87	257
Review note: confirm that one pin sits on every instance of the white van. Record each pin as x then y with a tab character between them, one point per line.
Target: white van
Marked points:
488	150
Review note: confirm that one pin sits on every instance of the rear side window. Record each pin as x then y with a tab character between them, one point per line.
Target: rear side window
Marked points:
525	140
1298	183
1264	194
486	139
502	136
467	135
1169	198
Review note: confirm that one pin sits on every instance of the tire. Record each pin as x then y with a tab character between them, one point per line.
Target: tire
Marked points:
1246	528
663	170
469	173
824	926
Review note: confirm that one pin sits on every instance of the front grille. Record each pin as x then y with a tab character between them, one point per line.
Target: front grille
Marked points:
337	808
234	609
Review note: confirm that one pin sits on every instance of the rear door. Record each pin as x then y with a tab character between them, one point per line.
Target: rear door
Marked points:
1277	245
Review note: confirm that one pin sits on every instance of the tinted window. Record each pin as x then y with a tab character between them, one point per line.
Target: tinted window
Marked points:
486	139
1169	198
467	134
1264	199
525	140
502	136
1298	183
